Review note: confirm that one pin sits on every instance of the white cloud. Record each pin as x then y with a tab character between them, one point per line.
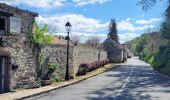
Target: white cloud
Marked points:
81	26
124	25
129	19
37	4
149	21
86	2
127	26
127	36
86	35
79	23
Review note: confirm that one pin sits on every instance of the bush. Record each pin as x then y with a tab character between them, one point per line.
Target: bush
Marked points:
90	67
102	63
107	61
97	64
57	79
52	67
84	67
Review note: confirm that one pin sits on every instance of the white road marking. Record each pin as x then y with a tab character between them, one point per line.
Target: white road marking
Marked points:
127	80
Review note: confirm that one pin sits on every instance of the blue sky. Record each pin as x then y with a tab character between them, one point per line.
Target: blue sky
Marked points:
91	17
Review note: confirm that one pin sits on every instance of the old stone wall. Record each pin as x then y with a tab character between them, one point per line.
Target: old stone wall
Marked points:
56	54
86	55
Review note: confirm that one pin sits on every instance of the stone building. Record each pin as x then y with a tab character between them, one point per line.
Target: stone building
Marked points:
115	51
17	66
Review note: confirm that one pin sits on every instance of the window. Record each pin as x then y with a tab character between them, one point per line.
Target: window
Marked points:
15	25
2	25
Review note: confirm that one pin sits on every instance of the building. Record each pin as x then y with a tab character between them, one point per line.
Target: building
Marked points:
17	66
114	50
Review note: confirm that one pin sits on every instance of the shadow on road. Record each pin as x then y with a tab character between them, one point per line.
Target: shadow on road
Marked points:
142	83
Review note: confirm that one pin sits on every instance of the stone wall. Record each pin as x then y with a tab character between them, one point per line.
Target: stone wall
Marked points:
86	55
57	54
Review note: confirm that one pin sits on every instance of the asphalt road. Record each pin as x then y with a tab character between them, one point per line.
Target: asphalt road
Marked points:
135	80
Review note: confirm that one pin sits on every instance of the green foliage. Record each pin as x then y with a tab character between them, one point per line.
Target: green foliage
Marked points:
139	46
159	58
57	79
52	67
39	39
165	29
39	35
113	30
131	45
151	59
153	49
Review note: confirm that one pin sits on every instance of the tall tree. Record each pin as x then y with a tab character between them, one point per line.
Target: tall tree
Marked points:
113	33
165	26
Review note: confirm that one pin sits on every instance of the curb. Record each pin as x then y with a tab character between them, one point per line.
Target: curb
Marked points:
65	85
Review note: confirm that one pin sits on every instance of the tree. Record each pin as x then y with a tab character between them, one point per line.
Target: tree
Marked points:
139	46
165	26
75	39
113	33
39	39
93	41
147	4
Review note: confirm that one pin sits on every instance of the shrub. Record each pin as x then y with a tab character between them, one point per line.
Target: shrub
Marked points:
102	63
84	67
57	79
52	67
90	67
107	61
94	66
97	64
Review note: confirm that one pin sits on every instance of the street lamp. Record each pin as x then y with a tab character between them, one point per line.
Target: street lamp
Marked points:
68	29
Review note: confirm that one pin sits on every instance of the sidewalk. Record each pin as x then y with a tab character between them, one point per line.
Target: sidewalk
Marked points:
21	94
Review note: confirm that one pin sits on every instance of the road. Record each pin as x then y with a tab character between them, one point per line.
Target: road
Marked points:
135	80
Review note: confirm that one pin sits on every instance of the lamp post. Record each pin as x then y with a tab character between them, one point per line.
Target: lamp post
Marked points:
68	29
